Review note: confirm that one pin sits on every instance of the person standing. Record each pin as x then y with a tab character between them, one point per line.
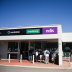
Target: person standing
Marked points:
46	54
36	55
40	55
71	56
56	59
30	55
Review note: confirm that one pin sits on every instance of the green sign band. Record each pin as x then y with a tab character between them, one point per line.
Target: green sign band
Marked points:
32	31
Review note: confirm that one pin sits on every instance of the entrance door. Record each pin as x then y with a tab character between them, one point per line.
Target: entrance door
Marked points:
24	49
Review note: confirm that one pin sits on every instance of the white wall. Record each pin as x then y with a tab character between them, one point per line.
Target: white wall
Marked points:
67	37
26	37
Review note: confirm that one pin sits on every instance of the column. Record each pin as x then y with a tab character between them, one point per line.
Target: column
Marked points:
60	51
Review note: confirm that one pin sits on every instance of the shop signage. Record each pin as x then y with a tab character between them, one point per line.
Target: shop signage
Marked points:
13	32
32	31
49	30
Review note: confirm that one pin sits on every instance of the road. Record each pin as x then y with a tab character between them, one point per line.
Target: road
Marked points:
25	69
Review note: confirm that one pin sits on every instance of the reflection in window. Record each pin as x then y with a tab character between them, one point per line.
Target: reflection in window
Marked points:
12	46
37	45
32	45
66	49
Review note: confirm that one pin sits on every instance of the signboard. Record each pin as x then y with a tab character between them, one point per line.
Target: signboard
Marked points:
49	30
32	31
12	32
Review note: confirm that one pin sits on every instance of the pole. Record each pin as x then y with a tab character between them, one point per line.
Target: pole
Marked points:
33	59
21	58
9	58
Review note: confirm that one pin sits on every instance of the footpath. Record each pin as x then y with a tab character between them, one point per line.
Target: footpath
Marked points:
26	63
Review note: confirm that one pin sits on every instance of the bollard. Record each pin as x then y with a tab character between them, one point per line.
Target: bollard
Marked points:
9	58
21	58
33	59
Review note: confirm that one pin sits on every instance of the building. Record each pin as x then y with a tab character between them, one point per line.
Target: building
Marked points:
15	40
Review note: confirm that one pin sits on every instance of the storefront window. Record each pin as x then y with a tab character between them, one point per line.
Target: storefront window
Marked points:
24	46
66	49
37	45
13	50
42	45
32	46
12	46
50	46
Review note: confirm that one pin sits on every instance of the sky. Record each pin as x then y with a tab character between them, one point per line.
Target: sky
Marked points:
15	13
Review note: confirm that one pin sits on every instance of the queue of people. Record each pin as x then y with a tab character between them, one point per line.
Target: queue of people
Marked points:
42	56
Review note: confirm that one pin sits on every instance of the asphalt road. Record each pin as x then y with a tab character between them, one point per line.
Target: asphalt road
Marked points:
24	69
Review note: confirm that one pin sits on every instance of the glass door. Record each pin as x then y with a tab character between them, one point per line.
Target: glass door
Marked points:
24	50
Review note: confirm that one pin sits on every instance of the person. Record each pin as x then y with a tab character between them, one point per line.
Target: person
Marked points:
30	55
56	59
36	55
21	53
50	58
71	56
46	54
41	55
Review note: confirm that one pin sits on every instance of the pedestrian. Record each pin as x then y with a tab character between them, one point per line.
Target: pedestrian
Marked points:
36	55
40	55
23	54
71	56
56	59
30	55
46	54
50	57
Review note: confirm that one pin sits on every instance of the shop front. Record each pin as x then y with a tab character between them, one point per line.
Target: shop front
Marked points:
16	41
33	45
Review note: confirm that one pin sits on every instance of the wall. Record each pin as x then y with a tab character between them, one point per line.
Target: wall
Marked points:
3	50
67	37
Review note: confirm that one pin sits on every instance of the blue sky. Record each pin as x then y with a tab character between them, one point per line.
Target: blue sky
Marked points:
15	13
